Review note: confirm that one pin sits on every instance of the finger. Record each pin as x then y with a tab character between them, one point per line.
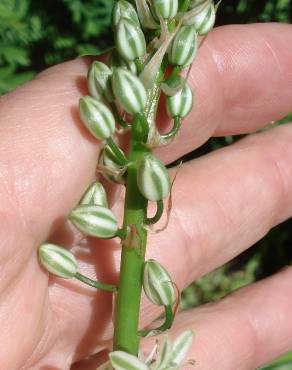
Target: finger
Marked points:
225	202
47	159
237	79
222	204
245	330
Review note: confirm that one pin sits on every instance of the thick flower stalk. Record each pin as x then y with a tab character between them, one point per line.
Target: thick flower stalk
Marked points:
156	43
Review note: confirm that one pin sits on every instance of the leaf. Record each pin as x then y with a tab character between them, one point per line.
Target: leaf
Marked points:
181	346
124	361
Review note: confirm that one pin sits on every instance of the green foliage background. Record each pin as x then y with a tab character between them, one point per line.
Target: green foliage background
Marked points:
36	34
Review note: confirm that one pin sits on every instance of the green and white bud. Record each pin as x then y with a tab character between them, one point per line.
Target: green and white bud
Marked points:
181	347
95	195
108	159
184	47
57	260
130	40
152	178
97	117
121	360
145	15
157	284
94	221
99	81
204	20
180	104
166	8
124	9
129	91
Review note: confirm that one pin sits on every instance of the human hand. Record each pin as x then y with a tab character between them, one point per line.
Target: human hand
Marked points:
223	203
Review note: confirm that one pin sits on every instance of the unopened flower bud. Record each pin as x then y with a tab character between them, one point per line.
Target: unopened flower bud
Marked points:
130	40
121	360
108	159
95	195
184	47
157	284
152	178
129	91
124	9
166	8
57	260
97	117
180	104
99	81
204	20
95	221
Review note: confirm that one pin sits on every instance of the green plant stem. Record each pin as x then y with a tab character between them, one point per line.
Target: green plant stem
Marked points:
127	308
174	130
132	262
169	317
158	214
121	159
95	284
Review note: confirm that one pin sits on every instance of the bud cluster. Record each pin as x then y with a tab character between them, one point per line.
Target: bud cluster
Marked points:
156	43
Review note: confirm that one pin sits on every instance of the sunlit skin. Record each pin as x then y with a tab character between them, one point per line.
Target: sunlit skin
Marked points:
222	204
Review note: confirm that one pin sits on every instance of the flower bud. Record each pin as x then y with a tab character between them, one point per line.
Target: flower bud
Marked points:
184	47
95	221
152	178
129	91
99	81
107	159
97	117
157	284
95	195
204	20
58	260
166	8
125	361
130	40
180	104
145	15
124	9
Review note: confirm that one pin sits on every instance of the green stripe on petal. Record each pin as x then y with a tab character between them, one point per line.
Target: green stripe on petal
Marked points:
124	9
157	284
180	104
57	260
204	19
95	195
164	354
129	91
95	221
97	117
99	81
166	8
108	160
152	178
124	361
130	40
184	46
181	347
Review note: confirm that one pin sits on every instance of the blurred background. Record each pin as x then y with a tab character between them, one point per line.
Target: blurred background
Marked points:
37	34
